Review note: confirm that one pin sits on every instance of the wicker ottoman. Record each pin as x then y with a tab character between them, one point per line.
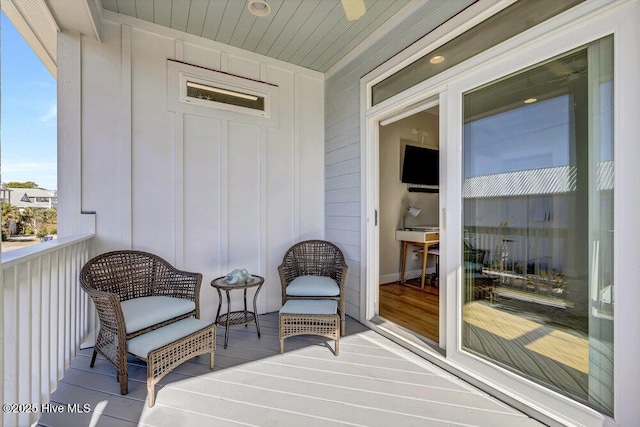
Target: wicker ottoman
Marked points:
169	346
310	317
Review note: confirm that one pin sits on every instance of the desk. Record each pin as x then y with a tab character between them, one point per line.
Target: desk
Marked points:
418	238
436	251
235	318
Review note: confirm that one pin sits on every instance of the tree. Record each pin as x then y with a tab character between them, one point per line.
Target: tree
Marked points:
45	222
42	222
10	219
25	184
27	218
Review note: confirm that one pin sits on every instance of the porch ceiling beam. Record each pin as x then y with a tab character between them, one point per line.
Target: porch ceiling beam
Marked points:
83	16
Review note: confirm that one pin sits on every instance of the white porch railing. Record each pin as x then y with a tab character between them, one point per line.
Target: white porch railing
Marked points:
46	317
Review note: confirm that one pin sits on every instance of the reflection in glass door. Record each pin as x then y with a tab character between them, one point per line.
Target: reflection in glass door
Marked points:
538	224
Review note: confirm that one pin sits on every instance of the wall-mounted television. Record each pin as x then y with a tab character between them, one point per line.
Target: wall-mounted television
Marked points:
421	166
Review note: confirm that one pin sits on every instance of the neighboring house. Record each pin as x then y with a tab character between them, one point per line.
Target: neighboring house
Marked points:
5	193
36	198
147	144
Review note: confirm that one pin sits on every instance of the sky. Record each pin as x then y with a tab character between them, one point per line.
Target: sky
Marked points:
28	126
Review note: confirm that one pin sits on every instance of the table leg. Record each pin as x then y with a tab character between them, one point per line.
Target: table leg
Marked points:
246	325
226	332
219	304
424	265
255	310
404	261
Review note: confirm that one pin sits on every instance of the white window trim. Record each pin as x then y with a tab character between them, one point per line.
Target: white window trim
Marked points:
179	73
589	21
187	77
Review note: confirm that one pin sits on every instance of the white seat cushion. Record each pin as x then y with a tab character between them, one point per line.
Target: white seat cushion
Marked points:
143	344
309	306
313	286
140	313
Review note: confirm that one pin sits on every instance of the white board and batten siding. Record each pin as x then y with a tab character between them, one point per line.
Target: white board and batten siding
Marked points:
209	190
343	188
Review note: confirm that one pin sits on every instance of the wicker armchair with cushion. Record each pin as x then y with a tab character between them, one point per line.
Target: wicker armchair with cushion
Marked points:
134	293
314	270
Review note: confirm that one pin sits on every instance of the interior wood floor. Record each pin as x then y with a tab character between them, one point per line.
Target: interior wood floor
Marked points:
411	307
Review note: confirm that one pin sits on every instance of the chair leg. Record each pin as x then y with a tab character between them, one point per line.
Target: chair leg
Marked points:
342	317
124	384
93	358
212	356
151	393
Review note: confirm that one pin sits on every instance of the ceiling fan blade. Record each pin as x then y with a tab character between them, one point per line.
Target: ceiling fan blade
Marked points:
354	9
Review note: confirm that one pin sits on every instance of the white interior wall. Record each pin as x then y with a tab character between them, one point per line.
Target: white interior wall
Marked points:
210	190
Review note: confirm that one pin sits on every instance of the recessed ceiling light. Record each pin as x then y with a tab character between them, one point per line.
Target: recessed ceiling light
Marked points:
437	59
258	7
530	100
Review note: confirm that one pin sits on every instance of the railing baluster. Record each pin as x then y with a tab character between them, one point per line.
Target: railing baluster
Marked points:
24	338
61	315
53	322
35	285
45	329
11	334
67	310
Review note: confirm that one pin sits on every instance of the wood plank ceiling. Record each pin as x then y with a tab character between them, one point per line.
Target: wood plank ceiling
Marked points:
311	33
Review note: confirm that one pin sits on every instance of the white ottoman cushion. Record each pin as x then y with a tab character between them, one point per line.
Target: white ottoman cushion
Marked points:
143	344
310	307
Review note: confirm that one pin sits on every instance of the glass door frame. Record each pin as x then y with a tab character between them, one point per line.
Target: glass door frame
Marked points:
579	26
369	307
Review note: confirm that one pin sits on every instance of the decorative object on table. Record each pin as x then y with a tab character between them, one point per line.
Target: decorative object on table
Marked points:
239	317
314	270
238	275
411	210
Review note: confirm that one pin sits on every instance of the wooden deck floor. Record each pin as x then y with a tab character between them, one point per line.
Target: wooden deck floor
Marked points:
372	382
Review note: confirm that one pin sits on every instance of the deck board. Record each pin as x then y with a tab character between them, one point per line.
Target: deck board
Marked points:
545	354
372	382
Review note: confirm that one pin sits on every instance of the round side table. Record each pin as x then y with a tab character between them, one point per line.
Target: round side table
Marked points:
241	317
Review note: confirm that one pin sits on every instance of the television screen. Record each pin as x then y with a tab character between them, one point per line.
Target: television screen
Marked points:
421	166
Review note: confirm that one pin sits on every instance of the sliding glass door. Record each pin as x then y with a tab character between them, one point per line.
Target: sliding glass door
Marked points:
538	191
